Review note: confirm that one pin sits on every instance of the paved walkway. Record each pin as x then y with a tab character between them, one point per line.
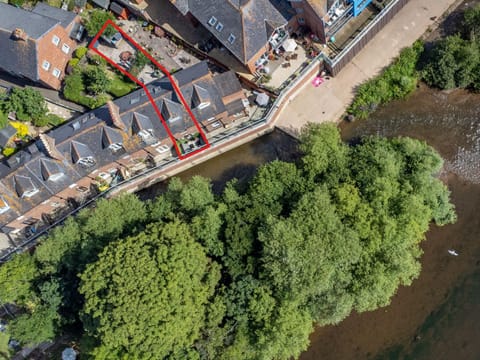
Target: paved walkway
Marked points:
329	101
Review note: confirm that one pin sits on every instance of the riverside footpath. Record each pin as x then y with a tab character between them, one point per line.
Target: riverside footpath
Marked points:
329	101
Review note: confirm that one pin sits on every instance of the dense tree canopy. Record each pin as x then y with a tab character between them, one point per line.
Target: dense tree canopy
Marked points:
94	21
245	274
28	104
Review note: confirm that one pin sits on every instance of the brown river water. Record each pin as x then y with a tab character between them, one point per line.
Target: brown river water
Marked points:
438	317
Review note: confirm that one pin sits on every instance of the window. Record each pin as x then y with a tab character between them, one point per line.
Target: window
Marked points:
231	38
219	26
299	10
65	48
115	147
203	105
55	40
56	72
301	20
212	21
45	65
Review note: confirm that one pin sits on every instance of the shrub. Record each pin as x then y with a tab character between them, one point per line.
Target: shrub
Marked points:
74	63
396	82
22	129
80	52
8	151
49	119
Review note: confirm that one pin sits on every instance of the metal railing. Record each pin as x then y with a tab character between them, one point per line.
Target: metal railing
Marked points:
333	62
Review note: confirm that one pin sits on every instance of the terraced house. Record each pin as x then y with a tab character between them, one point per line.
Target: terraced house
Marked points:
37	44
72	163
249	29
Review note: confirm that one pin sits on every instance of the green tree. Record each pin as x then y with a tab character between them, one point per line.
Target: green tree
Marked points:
27	103
35	327
472	22
452	63
96	80
94	21
148	287
16	277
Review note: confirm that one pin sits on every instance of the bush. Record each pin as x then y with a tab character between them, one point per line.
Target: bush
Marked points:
73	63
396	82
22	129
49	119
80	52
8	151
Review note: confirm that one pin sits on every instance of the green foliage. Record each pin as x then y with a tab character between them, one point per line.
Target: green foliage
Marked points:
4	349
16	278
94	21
242	275
95	80
472	22
27	103
453	62
172	269
8	151
3	120
74	90
80	52
139	63
33	328
119	87
396	82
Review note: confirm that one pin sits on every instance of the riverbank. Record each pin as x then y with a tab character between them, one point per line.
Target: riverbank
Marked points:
329	101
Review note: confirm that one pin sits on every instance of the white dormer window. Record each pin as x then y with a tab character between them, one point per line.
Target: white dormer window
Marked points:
212	21
65	48
45	65
231	38
86	161
56	72
219	26
146	135
55	40
115	147
30	193
203	105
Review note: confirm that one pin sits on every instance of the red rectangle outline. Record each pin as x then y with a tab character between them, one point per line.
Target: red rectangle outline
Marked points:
150	98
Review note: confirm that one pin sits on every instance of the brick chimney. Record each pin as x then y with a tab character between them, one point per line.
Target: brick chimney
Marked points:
114	112
49	145
19	34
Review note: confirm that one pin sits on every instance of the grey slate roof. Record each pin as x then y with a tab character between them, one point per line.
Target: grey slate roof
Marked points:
227	83
80	151
20	56
49	169
64	17
171	110
6	133
110	136
200	96
250	21
23	185
88	134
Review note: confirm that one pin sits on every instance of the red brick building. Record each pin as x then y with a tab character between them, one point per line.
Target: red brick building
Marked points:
37	44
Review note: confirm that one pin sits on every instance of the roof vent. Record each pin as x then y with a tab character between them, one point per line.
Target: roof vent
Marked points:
19	34
75	125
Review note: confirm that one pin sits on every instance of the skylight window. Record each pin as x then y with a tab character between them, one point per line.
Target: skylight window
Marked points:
231	38
212	21
219	26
